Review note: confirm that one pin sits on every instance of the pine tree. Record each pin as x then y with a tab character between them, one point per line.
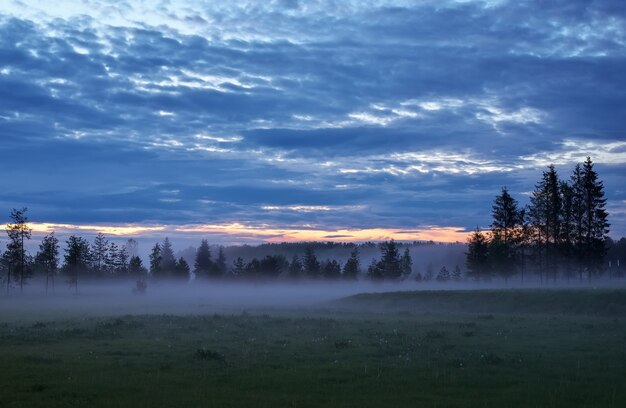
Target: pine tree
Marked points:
390	260
295	268
122	261
567	238
332	269
168	261
352	268
567	214
100	253
545	207
272	266
155	262
203	264
181	270
406	263
506	217
48	258
375	270
111	259
578	216
239	267
443	275
220	263
18	232
478	256
5	267
136	270
525	241
500	259
595	226
505	232
77	259
545	213
311	264
456	274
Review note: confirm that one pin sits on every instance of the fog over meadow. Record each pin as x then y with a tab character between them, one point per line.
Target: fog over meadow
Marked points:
197	298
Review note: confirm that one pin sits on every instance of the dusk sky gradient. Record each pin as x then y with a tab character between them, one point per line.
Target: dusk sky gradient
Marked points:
255	121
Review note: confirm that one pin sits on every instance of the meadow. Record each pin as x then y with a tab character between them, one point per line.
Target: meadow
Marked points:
480	348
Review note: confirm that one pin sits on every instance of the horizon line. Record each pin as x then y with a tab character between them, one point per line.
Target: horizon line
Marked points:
238	233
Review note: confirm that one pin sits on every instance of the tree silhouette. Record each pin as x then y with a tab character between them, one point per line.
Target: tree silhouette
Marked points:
443	275
220	263
595	226
77	259
168	261
155	262
203	264
390	261
456	274
18	232
181	270
100	253
478	255
239	267
136	270
545	215
352	268
295	268
406	263
332	269
311	264
48	258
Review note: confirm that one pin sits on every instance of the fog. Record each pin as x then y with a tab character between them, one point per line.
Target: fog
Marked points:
114	299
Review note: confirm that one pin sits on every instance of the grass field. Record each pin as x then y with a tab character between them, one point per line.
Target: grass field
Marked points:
504	348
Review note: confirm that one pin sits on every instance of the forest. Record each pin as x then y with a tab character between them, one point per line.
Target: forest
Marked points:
561	234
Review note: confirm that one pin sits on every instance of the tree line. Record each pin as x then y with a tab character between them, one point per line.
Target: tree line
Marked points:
81	260
561	234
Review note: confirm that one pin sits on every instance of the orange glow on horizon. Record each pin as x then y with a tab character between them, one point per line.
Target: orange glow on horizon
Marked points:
121	230
265	233
269	234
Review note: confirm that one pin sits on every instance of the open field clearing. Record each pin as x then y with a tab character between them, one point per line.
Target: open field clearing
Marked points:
392	352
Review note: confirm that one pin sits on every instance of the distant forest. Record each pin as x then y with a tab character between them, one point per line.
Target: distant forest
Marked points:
562	234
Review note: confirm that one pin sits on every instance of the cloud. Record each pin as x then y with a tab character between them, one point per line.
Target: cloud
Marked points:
353	114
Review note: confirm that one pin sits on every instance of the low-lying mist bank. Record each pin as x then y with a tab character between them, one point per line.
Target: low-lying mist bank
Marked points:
599	301
117	298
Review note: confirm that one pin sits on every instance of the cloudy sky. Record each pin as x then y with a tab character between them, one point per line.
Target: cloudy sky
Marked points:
278	120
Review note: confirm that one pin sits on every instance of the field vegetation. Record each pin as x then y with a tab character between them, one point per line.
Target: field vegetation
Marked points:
496	348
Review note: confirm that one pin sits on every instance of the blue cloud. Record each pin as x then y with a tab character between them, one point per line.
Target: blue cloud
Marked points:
391	114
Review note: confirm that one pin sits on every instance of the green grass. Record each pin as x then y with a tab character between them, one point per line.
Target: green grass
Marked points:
592	302
404	358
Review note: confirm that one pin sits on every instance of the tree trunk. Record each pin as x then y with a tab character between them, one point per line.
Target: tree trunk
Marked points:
22	264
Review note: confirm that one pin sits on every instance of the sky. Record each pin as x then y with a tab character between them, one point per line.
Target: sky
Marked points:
287	120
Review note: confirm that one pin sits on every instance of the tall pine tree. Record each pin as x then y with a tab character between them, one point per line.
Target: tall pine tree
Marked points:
506	233
595	226
203	264
168	261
